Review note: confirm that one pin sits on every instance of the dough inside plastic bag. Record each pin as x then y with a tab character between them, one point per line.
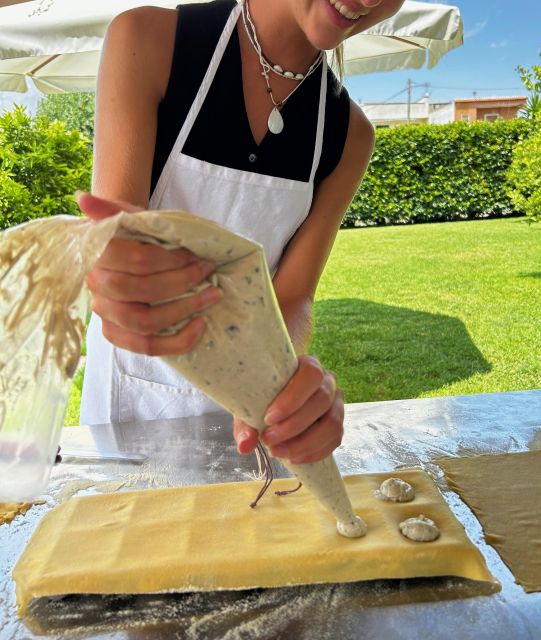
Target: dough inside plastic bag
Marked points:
43	303
243	360
245	356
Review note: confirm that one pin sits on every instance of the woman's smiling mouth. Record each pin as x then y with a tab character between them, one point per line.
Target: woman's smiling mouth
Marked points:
343	10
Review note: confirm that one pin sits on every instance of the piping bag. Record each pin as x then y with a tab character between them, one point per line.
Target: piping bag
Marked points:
243	360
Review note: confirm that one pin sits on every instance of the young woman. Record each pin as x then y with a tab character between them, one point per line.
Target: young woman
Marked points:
226	110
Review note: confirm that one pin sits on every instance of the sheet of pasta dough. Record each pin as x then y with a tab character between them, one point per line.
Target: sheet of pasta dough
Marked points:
504	492
10	510
207	538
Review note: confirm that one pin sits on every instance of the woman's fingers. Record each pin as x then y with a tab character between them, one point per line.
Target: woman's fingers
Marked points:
302	386
316	406
311	411
306	418
152	345
151	288
100	208
132	275
131	281
318	441
139	258
245	436
145	320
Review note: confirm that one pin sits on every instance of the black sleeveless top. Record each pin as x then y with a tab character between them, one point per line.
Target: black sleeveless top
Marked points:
221	133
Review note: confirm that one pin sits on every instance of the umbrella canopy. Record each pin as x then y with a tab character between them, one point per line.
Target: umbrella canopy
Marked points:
57	43
419	33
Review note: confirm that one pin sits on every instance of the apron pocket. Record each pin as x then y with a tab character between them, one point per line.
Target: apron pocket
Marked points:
145	400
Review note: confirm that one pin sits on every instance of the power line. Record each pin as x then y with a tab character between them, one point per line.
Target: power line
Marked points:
409	87
395	95
479	89
428	86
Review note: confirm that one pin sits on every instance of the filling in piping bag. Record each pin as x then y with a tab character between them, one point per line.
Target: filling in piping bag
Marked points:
245	356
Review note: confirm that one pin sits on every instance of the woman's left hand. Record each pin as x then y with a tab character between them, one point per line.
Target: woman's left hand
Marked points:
304	421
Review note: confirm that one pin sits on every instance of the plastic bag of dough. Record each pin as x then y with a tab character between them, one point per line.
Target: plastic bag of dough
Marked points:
243	360
43	304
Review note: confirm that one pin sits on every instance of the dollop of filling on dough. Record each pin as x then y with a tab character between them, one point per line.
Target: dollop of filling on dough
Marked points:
395	490
420	529
354	529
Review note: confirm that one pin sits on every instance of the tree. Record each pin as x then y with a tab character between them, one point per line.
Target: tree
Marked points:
75	110
531	79
41	165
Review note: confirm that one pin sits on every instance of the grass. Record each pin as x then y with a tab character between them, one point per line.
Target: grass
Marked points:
74	401
432	310
427	310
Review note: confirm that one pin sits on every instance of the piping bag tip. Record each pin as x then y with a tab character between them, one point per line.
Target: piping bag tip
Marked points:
352	529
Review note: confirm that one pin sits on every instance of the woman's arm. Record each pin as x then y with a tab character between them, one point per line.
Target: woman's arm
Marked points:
132	80
303	262
130	276
305	420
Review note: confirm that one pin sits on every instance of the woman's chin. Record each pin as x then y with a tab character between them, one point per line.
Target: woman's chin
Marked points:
325	40
331	28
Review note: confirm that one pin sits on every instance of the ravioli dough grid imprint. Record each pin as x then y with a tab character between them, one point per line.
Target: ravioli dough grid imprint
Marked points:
207	538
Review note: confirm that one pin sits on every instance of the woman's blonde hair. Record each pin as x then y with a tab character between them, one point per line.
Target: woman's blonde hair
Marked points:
338	63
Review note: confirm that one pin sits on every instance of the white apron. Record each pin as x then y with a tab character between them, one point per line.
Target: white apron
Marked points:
121	386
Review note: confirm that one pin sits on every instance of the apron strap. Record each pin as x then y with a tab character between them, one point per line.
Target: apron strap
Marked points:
199	98
320	120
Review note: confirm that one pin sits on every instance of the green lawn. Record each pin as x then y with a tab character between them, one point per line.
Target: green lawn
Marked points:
428	310
433	309
72	412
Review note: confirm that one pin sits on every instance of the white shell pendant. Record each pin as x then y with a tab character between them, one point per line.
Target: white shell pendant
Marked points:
275	121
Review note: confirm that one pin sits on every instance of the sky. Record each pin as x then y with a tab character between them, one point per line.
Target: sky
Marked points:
499	35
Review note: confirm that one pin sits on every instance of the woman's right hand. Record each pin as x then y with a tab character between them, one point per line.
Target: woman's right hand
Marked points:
131	277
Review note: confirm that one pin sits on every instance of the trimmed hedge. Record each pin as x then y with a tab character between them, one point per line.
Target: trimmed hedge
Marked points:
525	176
426	173
41	165
420	173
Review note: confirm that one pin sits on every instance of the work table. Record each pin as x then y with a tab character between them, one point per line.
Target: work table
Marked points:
379	436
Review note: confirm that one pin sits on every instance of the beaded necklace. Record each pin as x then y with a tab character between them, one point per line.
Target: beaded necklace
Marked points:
275	121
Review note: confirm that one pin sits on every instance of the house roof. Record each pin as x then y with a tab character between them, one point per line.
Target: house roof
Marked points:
519	99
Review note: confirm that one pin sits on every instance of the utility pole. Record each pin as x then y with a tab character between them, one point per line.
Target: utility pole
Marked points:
409	87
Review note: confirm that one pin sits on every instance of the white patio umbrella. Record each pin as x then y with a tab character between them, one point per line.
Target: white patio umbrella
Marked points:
4	3
57	43
419	33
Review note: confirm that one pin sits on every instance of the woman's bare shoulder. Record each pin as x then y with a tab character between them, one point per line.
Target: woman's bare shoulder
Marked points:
360	127
144	36
145	20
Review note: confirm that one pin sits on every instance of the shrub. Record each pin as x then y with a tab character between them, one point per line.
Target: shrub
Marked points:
428	173
41	165
525	176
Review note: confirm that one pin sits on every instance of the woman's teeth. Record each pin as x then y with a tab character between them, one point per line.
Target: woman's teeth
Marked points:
344	11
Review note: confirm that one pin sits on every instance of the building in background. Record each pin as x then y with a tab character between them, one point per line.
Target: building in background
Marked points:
472	109
392	114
